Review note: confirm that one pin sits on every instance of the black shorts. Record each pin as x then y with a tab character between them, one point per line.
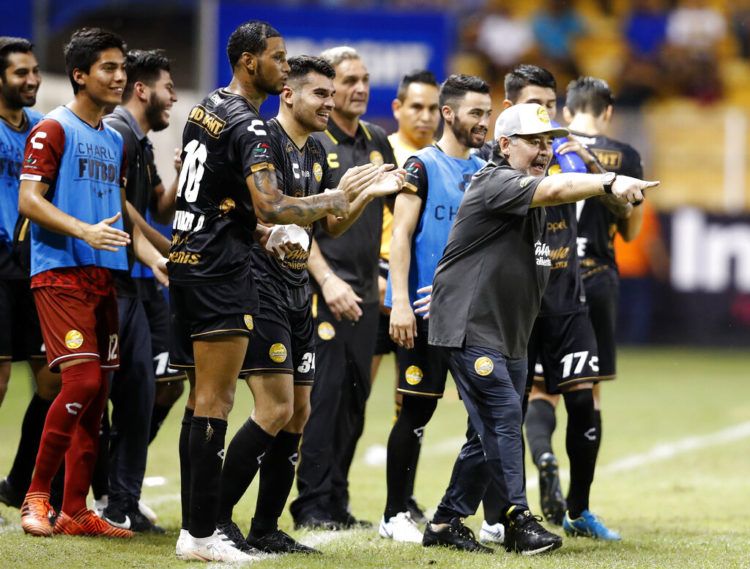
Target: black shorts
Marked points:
565	347
283	336
423	369
602	296
207	310
20	334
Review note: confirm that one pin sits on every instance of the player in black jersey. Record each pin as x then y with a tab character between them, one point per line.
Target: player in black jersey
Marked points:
280	361
227	179
345	310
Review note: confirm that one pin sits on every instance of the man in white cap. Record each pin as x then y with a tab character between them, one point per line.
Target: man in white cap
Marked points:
498	245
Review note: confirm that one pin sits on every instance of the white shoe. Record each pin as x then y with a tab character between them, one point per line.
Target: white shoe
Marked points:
182	542
100	504
216	547
149	514
492	533
400	528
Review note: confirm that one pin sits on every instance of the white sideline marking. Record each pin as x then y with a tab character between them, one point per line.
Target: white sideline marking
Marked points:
152	481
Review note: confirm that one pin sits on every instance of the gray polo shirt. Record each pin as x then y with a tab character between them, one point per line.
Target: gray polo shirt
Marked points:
489	284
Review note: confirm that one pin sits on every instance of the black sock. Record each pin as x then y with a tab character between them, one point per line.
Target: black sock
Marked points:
244	455
598	423
581	441
184	450
276	479
207	436
28	447
412	474
158	414
540	424
403	445
100	477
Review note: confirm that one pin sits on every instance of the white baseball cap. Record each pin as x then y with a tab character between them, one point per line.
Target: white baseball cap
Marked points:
528	118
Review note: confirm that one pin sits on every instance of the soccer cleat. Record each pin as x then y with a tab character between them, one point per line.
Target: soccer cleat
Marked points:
491	533
278	541
588	525
347	521
216	547
100	505
317	522
36	512
87	523
148	512
525	535
230	531
550	493
400	528
454	535
131	519
8	494
183	541
416	511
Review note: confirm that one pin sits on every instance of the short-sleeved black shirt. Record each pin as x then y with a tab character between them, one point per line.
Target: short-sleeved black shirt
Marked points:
300	172
597	225
489	284
223	142
354	255
141	177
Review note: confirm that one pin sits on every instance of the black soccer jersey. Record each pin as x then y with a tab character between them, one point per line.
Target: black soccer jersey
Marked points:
300	172
354	256
597	225
565	293
223	142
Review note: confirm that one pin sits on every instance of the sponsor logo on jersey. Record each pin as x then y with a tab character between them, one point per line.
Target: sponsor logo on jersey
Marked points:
277	353
317	172
483	366
326	331
413	375
376	158
262	149
208	121
541	252
248	321
555	226
610	159
73	339
227	205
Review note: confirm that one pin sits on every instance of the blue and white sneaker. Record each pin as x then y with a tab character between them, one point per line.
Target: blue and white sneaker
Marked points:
588	525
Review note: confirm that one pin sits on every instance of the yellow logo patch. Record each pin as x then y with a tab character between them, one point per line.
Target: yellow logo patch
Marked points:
326	331
413	375
277	353
376	158
73	339
542	115
484	366
248	321
317	172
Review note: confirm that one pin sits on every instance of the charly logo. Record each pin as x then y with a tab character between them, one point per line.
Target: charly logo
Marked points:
326	331
73	339
413	375
541	252
483	366
277	353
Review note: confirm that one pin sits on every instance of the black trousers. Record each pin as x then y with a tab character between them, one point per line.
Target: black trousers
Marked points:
343	357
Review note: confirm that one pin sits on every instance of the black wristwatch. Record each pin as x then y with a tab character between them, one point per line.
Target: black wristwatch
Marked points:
608	179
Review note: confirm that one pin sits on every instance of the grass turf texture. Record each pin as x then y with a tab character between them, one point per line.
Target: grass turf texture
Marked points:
683	506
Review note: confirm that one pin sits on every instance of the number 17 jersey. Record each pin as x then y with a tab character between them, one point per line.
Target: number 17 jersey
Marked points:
224	142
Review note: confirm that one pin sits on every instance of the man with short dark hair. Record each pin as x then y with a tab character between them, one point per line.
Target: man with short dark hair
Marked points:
498	244
147	99
437	177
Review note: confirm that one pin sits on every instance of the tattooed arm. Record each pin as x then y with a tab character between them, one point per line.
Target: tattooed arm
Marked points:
272	206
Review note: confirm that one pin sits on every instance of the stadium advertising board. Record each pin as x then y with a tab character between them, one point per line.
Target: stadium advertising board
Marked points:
391	43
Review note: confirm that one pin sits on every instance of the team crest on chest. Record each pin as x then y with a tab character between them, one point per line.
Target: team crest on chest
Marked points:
317	170
376	158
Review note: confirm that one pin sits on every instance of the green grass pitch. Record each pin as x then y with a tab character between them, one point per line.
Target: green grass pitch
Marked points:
673	477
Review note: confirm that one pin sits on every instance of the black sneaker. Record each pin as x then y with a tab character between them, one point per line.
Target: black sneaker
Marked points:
348	521
416	511
550	494
525	535
317	522
141	524
8	495
233	533
455	535
278	541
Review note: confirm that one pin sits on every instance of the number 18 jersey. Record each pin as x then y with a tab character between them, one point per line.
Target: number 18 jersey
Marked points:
224	142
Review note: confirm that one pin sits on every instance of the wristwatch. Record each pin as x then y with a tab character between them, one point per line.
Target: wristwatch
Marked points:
608	179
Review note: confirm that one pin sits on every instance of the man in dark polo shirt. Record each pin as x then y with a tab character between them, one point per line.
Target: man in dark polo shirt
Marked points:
345	309
486	294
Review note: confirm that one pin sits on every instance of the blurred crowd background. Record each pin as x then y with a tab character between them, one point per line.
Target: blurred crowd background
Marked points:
680	70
